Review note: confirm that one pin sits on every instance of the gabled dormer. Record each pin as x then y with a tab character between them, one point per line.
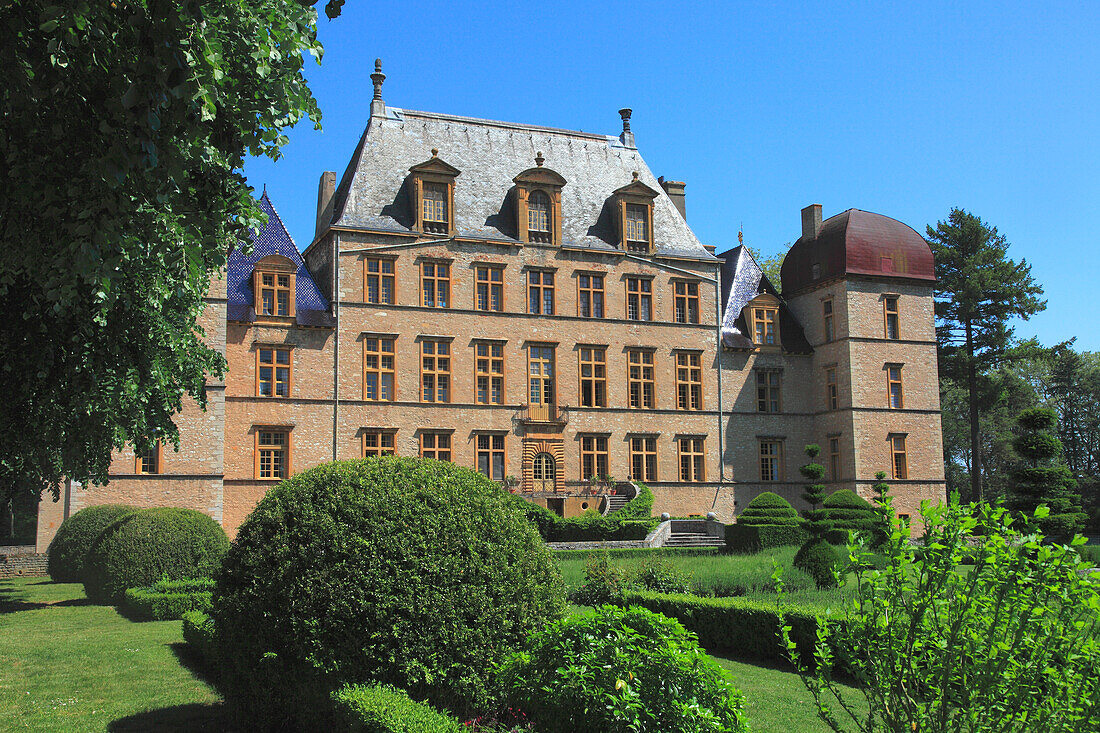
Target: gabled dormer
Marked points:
634	216
538	204
273	287
762	319
432	196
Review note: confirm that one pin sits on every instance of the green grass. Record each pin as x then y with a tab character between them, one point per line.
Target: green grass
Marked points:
71	666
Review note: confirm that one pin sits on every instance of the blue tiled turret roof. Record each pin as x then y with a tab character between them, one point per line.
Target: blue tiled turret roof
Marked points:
310	306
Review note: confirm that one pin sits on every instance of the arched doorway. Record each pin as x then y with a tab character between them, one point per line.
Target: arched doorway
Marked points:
543	472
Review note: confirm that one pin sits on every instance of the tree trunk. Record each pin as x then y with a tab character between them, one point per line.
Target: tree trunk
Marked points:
975	436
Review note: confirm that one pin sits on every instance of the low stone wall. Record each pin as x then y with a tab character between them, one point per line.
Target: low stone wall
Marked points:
656	538
22	560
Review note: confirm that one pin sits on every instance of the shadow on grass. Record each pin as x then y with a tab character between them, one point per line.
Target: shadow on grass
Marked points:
13	602
187	718
190	660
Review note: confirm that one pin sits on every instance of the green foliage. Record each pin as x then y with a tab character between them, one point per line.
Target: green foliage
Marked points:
149	545
742	538
621	669
846	511
815	521
768	508
198	632
1043	479
640	507
1009	644
167	600
631	552
631	522
74	539
604	581
383	709
402	571
661	576
820	560
127	126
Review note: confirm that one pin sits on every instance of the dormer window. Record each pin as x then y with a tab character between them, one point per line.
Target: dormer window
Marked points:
273	285
762	319
634	205
432	189
538	204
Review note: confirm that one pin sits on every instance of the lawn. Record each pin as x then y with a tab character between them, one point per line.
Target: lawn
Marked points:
72	666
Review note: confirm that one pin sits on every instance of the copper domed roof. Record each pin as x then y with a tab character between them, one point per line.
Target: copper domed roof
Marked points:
857	243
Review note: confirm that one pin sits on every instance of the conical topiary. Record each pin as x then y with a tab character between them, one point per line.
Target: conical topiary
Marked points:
769	509
817	557
1043	479
846	512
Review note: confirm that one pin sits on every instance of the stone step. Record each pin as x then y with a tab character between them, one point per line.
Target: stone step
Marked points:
616	502
693	539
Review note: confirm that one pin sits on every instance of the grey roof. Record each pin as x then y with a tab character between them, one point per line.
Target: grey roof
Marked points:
742	280
372	195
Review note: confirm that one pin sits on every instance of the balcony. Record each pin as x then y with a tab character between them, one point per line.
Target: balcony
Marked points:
544	414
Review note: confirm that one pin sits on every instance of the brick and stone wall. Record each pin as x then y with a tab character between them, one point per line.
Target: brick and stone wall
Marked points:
21	560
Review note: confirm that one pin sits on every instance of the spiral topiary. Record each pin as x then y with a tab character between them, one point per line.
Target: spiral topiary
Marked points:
69	547
847	512
401	571
149	545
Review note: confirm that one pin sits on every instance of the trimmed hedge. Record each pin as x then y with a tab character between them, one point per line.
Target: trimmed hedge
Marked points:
198	632
383	709
167	600
625	552
746	539
150	544
632	522
741	628
769	509
848	511
75	537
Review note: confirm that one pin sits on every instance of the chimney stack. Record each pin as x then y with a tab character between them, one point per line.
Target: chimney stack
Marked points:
675	191
627	137
326	195
377	106
811	221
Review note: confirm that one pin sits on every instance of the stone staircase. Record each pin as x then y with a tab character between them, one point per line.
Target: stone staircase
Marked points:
615	502
691	533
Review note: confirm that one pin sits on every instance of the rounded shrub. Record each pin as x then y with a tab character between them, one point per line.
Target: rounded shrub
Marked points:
74	538
400	571
817	558
769	508
620	669
848	511
149	545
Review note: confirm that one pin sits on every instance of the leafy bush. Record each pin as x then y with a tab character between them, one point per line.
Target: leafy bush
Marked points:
382	709
640	507
167	600
621	669
768	508
419	574
632	552
603	581
661	576
198	632
847	511
819	559
150	544
75	538
742	538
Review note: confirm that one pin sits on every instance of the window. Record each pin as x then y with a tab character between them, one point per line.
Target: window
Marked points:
643	458
898	460
540	373
593	376
827	315
689	381
272	454
435	445
378	443
831	400
490	288
639	299
540	292
639	379
893	386
272	372
593	456
590	302
637	228
275	296
539	216
834	459
490	456
435	283
435	370
691	459
378	369
890	305
771	460
489	372
687	302
435	214
148	461
768	390
764	331
379	279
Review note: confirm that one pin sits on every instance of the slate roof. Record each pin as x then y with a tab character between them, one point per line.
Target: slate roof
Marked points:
372	195
310	306
742	280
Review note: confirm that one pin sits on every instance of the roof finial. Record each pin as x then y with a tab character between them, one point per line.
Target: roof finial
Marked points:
539	160
377	106
627	137
635	175
435	152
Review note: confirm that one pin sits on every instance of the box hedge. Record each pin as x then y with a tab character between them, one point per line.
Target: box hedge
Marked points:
742	538
198	632
75	537
632	522
167	600
383	709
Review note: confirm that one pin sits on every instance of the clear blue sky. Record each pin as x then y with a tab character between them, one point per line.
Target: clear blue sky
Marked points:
905	109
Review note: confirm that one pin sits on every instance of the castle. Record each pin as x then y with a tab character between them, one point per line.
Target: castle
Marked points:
531	302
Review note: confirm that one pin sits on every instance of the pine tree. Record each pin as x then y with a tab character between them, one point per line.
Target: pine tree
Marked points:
1043	478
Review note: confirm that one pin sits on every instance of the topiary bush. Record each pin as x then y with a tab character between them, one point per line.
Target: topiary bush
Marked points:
747	539
166	600
621	669
847	512
381	709
75	536
417	574
771	509
818	558
150	545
